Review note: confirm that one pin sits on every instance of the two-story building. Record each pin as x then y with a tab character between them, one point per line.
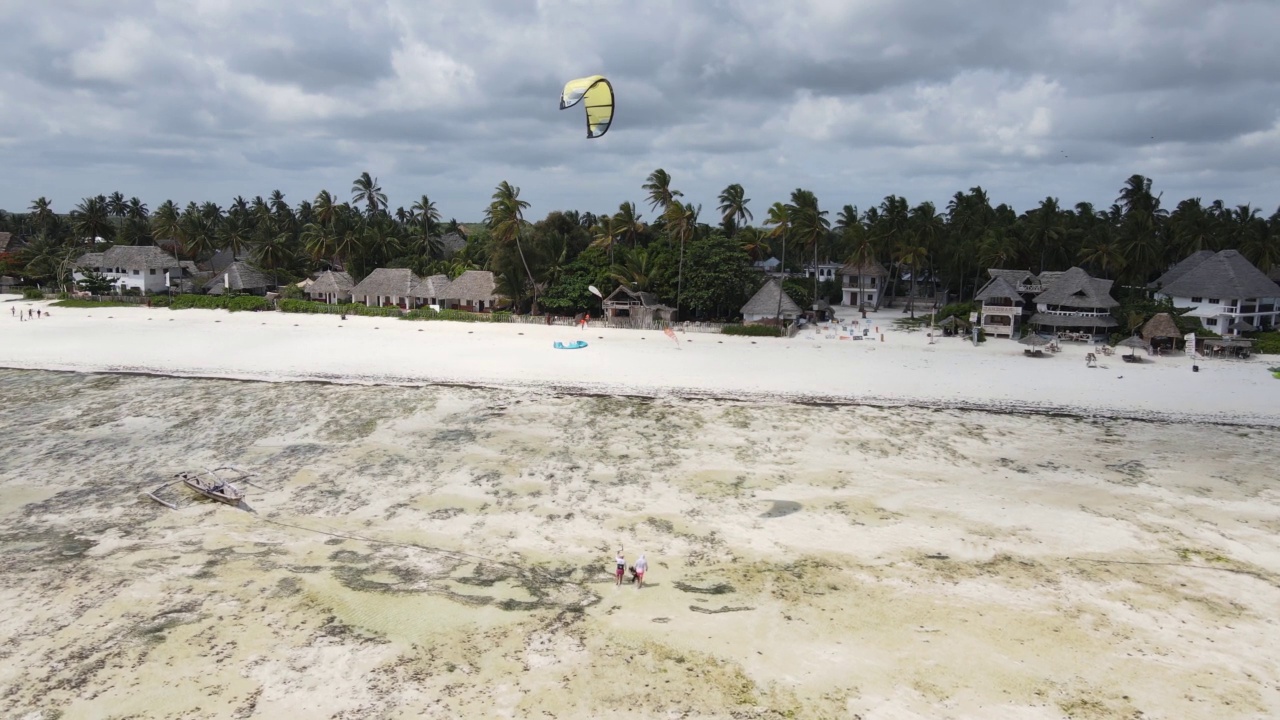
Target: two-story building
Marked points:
1225	292
1074	305
145	268
861	285
1002	308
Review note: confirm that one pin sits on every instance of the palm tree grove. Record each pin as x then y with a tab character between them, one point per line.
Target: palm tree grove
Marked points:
662	243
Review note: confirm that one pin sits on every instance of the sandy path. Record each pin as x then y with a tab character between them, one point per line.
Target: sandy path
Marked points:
442	552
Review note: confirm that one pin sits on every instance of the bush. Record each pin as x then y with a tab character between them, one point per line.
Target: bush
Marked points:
456	315
32	294
752	330
319	308
1267	343
960	310
236	303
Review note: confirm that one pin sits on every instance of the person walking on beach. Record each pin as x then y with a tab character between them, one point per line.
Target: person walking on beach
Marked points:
641	566
30	313
621	562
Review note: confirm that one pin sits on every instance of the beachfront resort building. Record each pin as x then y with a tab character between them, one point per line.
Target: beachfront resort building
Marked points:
473	291
330	286
763	307
386	287
1069	304
827	271
431	291
1002	308
861	284
1074	306
144	268
1225	292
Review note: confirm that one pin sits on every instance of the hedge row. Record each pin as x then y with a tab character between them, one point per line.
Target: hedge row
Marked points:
752	330
1267	343
457	316
238	303
319	308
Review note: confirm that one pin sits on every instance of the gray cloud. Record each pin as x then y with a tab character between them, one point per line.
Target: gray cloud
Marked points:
210	99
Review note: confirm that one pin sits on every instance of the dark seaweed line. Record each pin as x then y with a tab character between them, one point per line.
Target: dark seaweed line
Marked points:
596	390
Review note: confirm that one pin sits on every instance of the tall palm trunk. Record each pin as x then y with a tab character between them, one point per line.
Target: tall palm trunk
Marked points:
783	268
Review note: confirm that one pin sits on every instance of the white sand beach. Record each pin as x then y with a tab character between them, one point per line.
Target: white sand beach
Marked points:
904	368
419	550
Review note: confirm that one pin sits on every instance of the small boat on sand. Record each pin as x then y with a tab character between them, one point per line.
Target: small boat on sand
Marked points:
209	483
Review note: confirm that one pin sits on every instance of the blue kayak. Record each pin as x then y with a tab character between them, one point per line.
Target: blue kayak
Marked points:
575	345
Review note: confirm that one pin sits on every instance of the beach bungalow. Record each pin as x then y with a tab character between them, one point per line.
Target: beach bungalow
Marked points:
1225	292
431	291
1161	332
826	271
240	277
861	284
330	287
762	308
1002	308
386	287
640	307
473	290
145	268
1074	306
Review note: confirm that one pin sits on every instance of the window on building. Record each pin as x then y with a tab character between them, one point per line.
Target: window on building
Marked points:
153	271
1214	301
1211	322
1196	299
137	272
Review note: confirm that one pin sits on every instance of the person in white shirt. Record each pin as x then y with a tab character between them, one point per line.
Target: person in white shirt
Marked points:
621	562
641	566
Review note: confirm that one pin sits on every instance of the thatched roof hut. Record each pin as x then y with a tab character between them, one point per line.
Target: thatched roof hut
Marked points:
763	306
386	286
331	285
1226	274
871	268
432	288
473	287
1161	325
1075	288
239	277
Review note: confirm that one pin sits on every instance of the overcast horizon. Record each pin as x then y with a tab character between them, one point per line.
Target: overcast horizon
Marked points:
854	100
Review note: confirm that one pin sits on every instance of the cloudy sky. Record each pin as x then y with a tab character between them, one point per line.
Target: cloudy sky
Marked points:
853	99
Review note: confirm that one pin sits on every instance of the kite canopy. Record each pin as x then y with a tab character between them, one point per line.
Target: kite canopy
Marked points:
598	94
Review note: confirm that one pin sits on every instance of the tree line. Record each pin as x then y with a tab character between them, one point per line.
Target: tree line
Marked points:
700	263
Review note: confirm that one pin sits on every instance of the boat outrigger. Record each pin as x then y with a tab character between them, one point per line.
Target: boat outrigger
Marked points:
209	484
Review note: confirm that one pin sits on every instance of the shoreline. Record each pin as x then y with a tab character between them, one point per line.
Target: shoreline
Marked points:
590	391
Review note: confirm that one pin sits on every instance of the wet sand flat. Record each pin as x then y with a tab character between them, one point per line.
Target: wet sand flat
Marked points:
445	552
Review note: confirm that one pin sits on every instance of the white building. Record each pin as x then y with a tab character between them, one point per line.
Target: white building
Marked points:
827	271
862	286
146	268
1224	291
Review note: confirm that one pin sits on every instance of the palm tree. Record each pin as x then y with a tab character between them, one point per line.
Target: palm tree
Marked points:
42	213
505	217
116	206
780	219
365	189
628	221
638	270
658	186
90	220
165	224
425	210
809	224
733	208
926	230
605	235
325	208
682	219
1045	229
754	243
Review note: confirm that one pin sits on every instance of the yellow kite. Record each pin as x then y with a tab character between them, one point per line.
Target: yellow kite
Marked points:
598	94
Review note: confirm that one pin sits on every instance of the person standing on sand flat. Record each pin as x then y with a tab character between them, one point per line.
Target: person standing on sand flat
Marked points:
642	565
621	562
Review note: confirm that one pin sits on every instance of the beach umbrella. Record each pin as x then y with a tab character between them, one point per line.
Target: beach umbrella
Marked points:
1241	326
1133	343
1034	340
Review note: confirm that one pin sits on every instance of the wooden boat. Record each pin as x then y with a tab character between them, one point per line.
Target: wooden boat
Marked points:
208	483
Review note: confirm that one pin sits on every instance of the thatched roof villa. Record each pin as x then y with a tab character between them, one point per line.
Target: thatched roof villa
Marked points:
1075	303
240	277
762	308
386	287
330	287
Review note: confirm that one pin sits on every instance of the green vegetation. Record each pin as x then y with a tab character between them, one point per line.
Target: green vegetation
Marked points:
92	304
456	316
663	243
32	294
752	330
309	307
1266	343
236	303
